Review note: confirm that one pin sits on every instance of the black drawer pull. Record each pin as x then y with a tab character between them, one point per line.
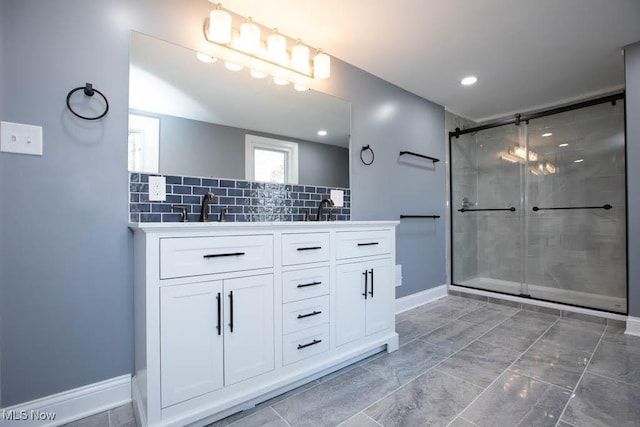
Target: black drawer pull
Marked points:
219	327
314	342
221	255
315	313
304	285
368	244
310	248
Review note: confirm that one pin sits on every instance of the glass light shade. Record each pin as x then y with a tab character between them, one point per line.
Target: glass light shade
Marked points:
277	48
321	66
300	58
280	81
300	88
207	59
231	66
256	74
219	26
250	37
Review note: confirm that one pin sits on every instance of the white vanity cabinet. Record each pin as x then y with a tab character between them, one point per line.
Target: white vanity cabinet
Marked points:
228	315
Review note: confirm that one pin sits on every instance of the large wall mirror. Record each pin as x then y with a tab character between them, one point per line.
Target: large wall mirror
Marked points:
190	115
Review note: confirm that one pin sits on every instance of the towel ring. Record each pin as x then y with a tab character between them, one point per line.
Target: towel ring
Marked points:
89	91
362	150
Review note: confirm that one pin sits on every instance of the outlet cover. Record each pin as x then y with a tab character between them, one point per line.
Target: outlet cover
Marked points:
157	189
20	138
338	198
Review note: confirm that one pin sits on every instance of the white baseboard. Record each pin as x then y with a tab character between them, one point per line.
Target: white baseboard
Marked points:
633	326
420	298
69	405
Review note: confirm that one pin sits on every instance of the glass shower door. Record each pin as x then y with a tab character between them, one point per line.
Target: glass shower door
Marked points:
487	226
575	210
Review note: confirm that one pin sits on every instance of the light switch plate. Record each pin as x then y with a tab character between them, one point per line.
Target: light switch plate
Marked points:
157	189
338	198
20	138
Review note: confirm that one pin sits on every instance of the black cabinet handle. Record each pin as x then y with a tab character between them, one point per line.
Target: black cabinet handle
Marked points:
219	314
368	244
314	313
371	292
366	285
314	342
230	311
304	285
221	255
310	248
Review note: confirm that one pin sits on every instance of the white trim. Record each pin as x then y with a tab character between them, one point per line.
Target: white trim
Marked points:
73	404
251	142
633	326
420	298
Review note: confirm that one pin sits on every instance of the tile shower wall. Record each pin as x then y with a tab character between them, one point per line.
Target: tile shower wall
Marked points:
248	201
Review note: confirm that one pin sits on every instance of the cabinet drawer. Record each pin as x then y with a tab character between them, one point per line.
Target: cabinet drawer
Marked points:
301	248
303	284
304	314
193	256
304	344
353	244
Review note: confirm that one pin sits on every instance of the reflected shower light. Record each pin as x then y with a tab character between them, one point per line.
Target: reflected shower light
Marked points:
578	161
468	81
521	152
547	134
322	133
509	158
563	145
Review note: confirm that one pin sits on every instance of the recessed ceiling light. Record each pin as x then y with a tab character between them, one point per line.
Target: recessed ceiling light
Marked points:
578	161
468	81
547	134
564	144
322	133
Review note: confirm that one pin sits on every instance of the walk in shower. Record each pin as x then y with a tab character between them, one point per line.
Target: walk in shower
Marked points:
538	206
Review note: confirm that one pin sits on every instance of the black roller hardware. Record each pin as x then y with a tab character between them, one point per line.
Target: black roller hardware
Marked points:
314	342
310	248
371	291
230	311
419	216
368	244
566	208
218	327
512	209
223	255
366	284
314	313
304	285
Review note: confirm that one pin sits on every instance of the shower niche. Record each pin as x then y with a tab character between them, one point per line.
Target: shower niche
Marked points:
538	207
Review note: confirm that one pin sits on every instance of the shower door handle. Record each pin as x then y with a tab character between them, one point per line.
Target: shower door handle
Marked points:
512	209
565	208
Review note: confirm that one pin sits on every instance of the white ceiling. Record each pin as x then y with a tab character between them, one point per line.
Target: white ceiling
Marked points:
527	54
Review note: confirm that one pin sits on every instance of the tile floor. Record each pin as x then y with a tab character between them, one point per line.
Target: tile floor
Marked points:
464	362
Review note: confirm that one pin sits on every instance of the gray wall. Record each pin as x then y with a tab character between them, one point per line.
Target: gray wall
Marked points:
67	272
2	199
632	65
196	148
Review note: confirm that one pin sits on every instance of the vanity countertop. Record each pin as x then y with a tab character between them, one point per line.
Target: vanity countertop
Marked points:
210	226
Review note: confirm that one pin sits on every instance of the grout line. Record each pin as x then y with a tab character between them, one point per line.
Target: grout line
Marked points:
612	379
508	368
278	414
573	392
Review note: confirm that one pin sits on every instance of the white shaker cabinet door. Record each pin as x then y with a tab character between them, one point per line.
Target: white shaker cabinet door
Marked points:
249	327
350	302
380	296
191	346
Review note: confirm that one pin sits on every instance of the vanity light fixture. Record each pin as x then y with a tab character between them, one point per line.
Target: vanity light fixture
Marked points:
245	48
468	81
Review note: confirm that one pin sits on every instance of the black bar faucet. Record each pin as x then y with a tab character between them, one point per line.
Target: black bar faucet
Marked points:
321	206
204	213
